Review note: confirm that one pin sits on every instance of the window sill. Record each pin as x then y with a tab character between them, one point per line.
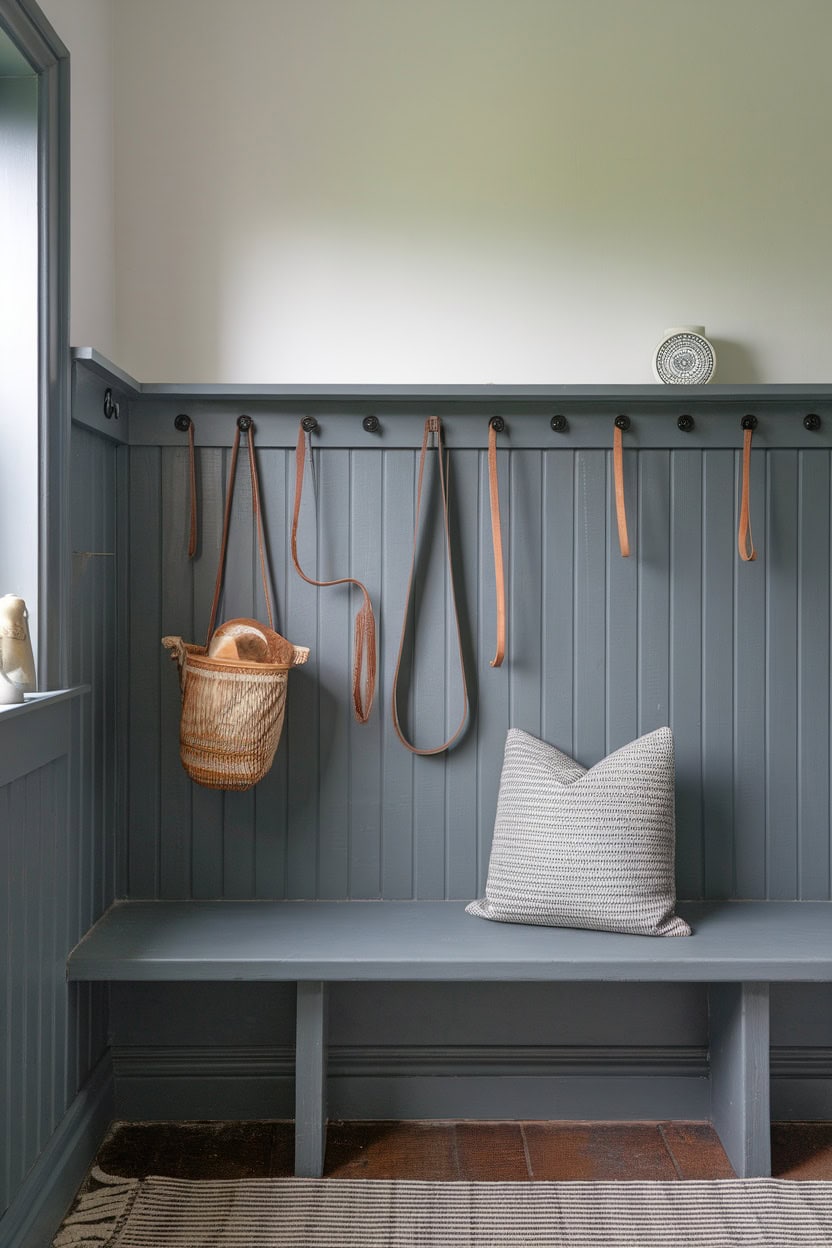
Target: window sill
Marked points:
34	701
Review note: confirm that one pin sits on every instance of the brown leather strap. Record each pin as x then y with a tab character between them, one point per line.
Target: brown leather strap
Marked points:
192	477
497	543
745	541
364	640
433	426
620	503
258	522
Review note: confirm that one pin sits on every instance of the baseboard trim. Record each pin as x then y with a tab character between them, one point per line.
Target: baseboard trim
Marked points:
459	1081
47	1191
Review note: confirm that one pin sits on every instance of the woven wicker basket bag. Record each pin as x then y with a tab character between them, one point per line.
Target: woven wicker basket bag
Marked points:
232	710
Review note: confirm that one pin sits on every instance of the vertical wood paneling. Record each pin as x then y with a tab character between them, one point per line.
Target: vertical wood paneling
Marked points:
750	765
719	554
336	610
428	722
558	551
813	676
364	740
303	704
397	852
686	663
460	820
241	570
781	674
589	589
622	609
206	804
144	675
40	832
176	620
653	590
735	657
270	795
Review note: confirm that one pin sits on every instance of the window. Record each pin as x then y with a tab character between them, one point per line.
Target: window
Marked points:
34	305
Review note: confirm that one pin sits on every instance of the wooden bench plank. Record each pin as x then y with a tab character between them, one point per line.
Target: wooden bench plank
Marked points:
436	941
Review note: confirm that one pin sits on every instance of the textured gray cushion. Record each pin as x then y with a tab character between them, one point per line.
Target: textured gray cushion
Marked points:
578	848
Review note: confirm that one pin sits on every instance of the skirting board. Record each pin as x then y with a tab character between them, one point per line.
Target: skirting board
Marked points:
238	1082
36	1211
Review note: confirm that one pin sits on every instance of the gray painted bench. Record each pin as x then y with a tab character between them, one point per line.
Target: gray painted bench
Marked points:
737	949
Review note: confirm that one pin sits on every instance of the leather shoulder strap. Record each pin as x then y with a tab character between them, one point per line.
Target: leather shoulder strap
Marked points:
620	502
433	428
258	524
745	541
497	543
364	639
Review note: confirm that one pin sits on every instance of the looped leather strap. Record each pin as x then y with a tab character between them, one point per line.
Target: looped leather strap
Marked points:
497	543
192	537
258	522
745	542
364	639
620	503
433	426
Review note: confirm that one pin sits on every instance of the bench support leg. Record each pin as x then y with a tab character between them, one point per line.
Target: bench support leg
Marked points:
739	1049
310	1080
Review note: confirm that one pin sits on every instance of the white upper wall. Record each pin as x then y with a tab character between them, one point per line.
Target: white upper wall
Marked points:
458	190
86	27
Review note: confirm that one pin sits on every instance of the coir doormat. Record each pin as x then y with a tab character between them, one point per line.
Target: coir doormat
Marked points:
373	1213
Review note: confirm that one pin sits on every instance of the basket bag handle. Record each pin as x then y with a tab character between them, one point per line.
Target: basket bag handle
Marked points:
364	641
258	523
433	426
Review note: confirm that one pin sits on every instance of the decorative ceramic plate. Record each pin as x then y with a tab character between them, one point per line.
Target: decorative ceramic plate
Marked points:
684	358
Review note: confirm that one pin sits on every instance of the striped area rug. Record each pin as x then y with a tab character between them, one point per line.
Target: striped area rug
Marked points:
362	1213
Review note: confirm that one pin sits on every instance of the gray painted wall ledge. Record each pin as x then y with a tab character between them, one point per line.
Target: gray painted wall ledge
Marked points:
655	393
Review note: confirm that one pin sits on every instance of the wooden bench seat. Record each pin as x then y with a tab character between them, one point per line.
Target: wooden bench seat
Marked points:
738	949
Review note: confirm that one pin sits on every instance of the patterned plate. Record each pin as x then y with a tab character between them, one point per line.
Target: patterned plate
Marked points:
684	359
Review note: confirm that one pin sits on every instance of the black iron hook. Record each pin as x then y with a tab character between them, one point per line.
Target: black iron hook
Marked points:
622	423
244	423
110	408
497	424
749	422
182	422
559	424
685	423
811	422
370	424
309	424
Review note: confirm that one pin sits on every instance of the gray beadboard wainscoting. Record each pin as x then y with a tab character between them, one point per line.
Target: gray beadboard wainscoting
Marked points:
735	657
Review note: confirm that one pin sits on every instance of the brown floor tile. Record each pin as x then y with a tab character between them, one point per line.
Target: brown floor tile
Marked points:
491	1151
129	1149
697	1150
801	1150
282	1159
190	1150
391	1150
602	1150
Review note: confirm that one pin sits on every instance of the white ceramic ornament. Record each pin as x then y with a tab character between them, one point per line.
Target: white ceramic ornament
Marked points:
17	663
684	357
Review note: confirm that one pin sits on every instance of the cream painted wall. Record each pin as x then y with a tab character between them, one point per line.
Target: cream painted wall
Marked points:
86	27
468	190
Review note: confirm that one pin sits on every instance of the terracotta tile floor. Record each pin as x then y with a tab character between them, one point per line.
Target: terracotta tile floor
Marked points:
458	1150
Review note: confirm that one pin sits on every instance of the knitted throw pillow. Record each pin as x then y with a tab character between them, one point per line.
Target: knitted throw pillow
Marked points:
578	848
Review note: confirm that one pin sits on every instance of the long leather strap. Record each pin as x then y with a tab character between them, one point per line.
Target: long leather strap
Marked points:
745	542
258	522
497	543
433	427
620	503
364	640
192	536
